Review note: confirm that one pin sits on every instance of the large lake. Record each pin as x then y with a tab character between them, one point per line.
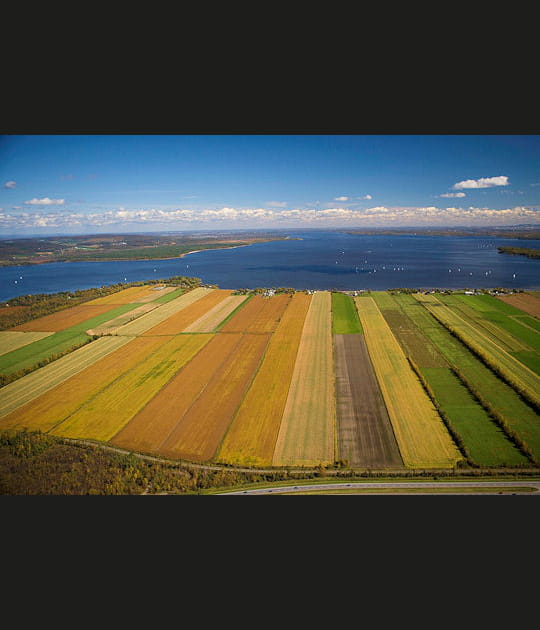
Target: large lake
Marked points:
321	260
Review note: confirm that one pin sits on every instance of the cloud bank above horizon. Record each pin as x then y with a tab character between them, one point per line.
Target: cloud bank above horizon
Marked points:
261	218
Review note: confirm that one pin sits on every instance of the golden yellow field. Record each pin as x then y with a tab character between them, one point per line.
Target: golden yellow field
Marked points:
197	435
422	438
152	425
11	339
307	431
252	436
29	387
55	405
106	413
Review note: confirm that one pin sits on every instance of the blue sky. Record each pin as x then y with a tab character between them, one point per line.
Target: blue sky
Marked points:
68	184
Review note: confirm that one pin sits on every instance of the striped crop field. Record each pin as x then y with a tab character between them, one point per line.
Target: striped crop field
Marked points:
259	315
210	321
13	340
102	416
65	318
178	322
411	338
365	436
125	296
29	387
307	430
111	326
386	380
199	432
153	424
523	379
162	313
525	302
44	349
56	404
252	436
483	441
157	291
421	435
502	401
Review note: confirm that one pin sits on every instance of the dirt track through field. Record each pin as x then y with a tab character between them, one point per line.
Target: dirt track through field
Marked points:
365	434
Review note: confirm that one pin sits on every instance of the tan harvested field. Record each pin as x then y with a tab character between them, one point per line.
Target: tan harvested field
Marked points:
213	318
422	438
102	416
307	430
198	434
55	405
259	315
149	428
178	322
527	303
64	319
162	313
126	296
112	326
11	340
252	436
364	430
29	387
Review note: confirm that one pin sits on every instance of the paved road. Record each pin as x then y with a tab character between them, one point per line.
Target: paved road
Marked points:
430	487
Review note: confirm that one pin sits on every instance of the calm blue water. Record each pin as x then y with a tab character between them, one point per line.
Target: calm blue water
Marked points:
322	260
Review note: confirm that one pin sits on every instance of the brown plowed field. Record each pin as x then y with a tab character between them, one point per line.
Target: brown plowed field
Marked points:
364	431
65	319
179	321
527	303
259	315
149	428
252	436
64	399
200	431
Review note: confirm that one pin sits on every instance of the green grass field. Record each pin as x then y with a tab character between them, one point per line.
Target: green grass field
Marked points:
344	316
485	443
503	399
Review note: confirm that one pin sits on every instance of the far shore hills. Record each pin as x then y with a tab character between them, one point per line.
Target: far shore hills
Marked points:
163	245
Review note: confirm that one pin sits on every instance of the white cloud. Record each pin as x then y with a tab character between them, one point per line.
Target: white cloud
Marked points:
10	184
366	197
277	204
458	194
483	182
341	198
227	217
44	202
